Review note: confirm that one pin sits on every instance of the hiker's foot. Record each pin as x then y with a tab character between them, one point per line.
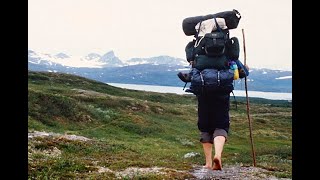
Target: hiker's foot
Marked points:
207	167
217	163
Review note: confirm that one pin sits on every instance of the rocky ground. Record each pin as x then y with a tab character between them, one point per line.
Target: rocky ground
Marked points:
234	172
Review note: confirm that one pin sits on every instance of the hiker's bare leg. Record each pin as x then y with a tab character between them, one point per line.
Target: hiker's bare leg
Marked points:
207	148
218	148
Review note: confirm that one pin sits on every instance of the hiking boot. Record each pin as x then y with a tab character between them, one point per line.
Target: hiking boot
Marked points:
185	77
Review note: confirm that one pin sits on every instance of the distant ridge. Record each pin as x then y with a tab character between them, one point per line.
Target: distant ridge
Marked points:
160	70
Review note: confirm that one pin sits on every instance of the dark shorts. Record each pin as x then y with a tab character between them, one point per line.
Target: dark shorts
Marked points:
213	112
206	137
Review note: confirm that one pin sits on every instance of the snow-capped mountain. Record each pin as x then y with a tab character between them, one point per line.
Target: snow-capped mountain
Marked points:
111	60
160	70
95	60
44	59
92	56
61	56
92	60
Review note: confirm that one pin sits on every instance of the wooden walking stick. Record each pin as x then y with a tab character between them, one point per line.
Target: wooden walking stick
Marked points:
248	109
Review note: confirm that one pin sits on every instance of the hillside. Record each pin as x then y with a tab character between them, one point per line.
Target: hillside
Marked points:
85	129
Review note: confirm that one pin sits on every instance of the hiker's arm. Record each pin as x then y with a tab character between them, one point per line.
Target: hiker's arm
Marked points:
246	66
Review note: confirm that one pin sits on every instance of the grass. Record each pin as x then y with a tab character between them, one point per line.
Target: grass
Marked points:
132	128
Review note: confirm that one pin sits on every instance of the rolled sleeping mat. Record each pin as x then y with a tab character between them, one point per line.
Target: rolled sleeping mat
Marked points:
232	19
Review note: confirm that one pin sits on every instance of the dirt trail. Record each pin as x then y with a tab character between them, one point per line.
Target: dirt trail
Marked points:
233	173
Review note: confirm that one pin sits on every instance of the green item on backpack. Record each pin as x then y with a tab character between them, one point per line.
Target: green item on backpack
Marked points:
203	62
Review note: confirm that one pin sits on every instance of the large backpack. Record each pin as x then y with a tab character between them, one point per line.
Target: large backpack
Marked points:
213	54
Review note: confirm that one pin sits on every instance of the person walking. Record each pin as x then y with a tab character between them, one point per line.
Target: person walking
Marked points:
214	123
214	59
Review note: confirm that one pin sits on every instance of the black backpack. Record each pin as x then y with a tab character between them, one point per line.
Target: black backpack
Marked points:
233	48
212	44
215	43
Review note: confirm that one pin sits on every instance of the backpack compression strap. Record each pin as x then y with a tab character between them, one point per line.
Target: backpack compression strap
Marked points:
218	27
234	97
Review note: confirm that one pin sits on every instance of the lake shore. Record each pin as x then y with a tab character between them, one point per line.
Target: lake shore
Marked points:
179	90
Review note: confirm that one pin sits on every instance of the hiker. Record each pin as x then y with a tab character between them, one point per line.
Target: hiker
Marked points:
213	123
214	58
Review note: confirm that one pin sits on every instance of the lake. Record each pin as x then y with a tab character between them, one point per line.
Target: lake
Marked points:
179	90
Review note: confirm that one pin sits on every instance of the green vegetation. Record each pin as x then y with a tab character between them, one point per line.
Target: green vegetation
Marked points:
132	128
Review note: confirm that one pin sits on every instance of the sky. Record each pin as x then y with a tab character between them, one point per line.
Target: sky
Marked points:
148	28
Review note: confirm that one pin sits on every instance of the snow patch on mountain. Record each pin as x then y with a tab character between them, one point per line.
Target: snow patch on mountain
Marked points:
284	77
183	69
61	56
92	56
158	60
92	60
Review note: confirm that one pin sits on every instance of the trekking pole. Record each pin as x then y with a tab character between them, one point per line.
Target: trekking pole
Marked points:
248	109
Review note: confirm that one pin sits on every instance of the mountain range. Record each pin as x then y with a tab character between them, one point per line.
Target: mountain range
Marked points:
159	70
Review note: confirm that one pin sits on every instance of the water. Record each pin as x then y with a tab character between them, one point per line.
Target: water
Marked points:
178	90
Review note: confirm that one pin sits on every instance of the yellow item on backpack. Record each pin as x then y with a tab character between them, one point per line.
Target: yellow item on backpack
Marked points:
236	74
235	69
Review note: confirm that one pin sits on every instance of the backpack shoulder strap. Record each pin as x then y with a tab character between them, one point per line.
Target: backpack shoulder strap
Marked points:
226	37
196	35
196	44
218	27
